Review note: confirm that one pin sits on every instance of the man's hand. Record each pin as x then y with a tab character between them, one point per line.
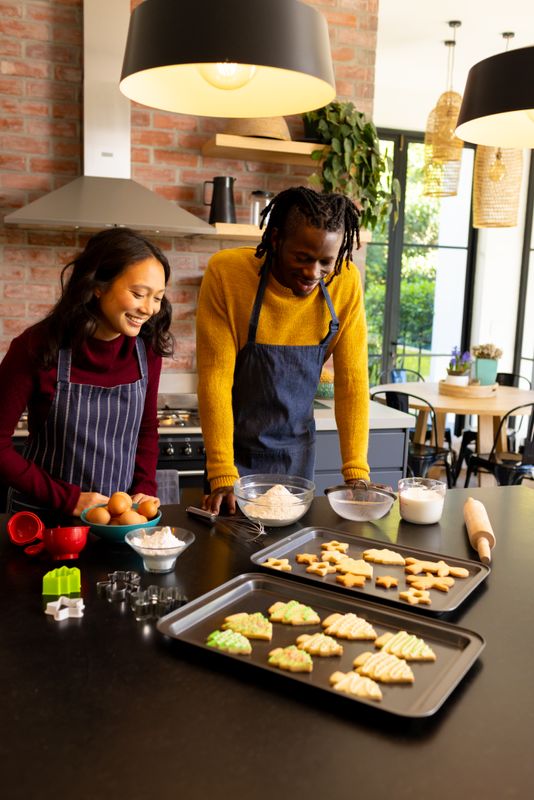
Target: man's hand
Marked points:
212	502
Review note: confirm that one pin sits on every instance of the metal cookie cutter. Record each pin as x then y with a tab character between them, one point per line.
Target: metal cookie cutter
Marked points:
119	585
156	601
65	607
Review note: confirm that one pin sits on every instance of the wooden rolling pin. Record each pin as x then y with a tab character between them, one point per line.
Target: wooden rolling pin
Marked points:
479	529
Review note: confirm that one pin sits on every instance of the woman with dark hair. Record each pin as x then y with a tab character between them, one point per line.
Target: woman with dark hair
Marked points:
88	374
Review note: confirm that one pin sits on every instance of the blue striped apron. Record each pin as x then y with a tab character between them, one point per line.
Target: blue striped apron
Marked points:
89	438
272	399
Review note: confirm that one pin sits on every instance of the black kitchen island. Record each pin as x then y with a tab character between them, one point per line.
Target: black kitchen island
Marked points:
106	705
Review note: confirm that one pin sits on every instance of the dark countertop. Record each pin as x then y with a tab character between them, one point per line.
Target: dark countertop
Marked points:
107	706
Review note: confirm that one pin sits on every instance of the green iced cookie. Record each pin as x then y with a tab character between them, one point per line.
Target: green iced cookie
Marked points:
291	658
230	642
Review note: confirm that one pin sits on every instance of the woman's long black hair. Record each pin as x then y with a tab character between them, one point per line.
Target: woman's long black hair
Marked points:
327	211
75	318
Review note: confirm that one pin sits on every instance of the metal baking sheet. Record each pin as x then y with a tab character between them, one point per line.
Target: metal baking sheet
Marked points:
456	648
309	540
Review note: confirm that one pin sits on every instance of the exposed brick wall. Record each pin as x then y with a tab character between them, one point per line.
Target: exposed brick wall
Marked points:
41	73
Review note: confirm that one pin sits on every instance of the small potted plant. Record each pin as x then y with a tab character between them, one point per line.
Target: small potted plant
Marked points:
352	163
487	356
459	367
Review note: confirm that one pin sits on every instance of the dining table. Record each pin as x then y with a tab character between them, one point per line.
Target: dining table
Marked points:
106	705
488	410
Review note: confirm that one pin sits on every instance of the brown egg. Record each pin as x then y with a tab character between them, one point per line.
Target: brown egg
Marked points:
131	517
98	515
118	503
148	508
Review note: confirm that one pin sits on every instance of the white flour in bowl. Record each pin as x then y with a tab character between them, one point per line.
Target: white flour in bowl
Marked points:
162	539
277	504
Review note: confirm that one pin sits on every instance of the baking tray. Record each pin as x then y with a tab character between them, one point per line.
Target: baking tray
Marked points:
309	540
456	648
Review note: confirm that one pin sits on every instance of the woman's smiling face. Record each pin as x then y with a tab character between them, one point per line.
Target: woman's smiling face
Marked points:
132	298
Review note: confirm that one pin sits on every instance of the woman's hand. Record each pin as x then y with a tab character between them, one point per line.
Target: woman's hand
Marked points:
212	502
87	499
140	498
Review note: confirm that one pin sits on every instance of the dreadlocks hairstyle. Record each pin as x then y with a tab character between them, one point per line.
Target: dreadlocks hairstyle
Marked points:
329	212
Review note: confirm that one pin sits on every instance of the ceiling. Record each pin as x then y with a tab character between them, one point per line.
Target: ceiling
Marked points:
411	59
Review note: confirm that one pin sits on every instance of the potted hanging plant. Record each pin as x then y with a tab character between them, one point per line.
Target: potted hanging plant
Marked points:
487	356
351	163
459	367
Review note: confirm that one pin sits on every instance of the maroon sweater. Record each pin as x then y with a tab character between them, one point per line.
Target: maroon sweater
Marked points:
23	384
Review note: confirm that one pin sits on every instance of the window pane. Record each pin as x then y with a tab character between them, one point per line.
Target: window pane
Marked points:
527	347
375	295
440	221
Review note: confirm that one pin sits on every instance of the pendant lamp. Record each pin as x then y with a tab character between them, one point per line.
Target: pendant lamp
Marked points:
497	182
443	150
228	58
498	104
496	187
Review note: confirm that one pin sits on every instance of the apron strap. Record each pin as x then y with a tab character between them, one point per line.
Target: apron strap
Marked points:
333	327
63	365
140	349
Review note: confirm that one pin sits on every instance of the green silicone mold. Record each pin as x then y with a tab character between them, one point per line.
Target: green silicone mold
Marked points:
64	580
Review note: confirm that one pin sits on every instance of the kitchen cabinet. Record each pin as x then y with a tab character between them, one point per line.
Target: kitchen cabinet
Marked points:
387	457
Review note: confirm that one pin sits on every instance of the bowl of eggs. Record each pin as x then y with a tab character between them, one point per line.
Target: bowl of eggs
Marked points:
119	515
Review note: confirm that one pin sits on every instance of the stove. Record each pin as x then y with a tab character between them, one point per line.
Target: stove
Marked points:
181	446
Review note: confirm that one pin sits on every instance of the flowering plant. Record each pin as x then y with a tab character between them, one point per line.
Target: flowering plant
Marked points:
486	351
460	362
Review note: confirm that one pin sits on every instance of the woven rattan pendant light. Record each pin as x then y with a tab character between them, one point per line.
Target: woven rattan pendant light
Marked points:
497	183
443	150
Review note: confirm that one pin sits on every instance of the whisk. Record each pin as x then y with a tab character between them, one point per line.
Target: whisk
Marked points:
244	529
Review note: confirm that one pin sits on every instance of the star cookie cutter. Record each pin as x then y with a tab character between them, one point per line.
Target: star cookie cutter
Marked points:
65	608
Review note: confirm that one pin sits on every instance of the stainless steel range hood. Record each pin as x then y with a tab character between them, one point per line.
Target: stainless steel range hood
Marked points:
106	196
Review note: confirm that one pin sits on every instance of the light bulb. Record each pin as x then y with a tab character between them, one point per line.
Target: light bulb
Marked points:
497	171
227	74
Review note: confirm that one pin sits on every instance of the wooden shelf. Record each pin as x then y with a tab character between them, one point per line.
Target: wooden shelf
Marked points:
253	148
232	230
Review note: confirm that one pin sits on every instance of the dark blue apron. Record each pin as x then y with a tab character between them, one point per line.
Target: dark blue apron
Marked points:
89	437
272	399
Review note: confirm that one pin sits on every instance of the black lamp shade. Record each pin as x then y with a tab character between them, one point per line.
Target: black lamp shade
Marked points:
286	41
498	102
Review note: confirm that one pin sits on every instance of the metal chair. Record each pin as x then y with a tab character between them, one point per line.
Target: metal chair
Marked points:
168	481
421	456
469	436
506	467
399	375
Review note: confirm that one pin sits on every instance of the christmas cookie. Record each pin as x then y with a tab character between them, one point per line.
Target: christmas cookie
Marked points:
405	645
430	582
306	558
341	547
254	626
320	568
293	613
350	581
355	567
416	597
348	626
319	644
383	667
355	685
230	642
291	658
278	563
387	581
333	556
384	557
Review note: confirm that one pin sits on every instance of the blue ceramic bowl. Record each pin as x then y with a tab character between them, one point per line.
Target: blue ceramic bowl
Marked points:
116	533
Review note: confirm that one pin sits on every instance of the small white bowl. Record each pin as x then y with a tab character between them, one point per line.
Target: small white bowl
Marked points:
159	559
360	503
278	508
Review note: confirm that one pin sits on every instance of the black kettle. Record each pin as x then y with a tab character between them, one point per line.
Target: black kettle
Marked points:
222	199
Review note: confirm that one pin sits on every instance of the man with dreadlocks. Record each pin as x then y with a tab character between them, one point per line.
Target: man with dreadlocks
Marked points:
267	321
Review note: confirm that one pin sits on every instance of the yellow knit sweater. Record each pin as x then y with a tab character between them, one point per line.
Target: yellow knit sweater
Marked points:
225	304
